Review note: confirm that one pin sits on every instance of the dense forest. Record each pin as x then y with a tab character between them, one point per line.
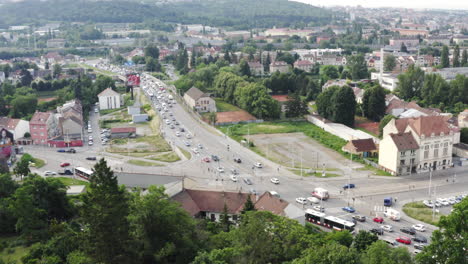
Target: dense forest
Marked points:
240	14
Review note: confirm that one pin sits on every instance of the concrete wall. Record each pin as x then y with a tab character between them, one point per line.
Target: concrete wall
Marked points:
388	155
340	130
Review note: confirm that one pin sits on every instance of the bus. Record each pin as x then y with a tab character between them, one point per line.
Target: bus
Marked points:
83	172
331	222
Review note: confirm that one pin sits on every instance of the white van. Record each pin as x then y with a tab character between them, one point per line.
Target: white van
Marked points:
392	214
320	193
273	193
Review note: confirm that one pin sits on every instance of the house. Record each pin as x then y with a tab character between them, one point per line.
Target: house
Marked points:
109	99
361	147
17	127
282	100
139	118
417	144
2	77
56	43
305	65
256	68
443	39
278	206
409	41
463	119
133	110
38	127
460	39
123	132
200	101
279	66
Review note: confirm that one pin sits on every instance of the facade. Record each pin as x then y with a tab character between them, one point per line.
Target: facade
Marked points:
38	126
463	119
109	99
361	147
256	68
398	153
17	127
279	66
56	43
200	101
386	80
305	65
408	41
443	39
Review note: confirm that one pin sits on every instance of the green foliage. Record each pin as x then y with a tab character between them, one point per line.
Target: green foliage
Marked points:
384	122
152	51
296	107
363	240
337	104
373	103
329	253
389	62
379	253
456	56
464	59
22	168
330	72
244	68
444	57
343	238
410	83
464	135
357	67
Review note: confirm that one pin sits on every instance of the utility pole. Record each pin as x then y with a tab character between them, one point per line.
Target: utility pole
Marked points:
430	182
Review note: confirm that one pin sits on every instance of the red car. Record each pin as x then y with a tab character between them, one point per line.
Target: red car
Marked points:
206	159
64	164
404	240
378	219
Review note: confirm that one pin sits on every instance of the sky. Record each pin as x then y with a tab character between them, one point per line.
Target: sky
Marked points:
439	4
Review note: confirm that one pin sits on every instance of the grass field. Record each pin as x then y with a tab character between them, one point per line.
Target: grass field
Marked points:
70	181
318	174
419	211
166	157
222	106
39	162
12	253
186	153
144	163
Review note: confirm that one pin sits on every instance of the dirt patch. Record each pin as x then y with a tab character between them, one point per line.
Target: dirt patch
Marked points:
234	117
372	127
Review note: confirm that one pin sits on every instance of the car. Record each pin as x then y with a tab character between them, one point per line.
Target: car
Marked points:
195	150
419	227
237	160
64	164
234	172
253	191
349	186
91	158
377	231
172	126
404	240
168	121
90	143
187	143
214	158
66	172
176	123
200	146
173	119
319	208
96	110
181	129
233	178
419	246
378	220
301	200
49	173
61	150
408	230
247	181
177	134
90	137
416	251
71	150
437	204
220	169
387	228
258	165
359	218
313	200
275	180
420	239
206	159
445	202
348	209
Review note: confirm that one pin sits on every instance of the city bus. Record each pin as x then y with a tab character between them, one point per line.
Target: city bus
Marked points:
331	222
83	172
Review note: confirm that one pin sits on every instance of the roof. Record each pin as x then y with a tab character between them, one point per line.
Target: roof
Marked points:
364	145
195	201
4	121
404	141
303	63
75	189
195	93
39	118
255	64
271	203
426	125
13	122
123	130
278	63
108	92
281	98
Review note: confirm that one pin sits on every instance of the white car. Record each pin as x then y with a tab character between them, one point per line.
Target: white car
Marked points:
258	165
49	173
90	143
177	134
195	150
387	228
319	208
419	227
313	200
301	200
168	122
275	180
90	138
220	169
233	178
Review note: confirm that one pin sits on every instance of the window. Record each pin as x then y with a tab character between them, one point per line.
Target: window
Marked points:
426	147
413	161
443	162
436	146
402	162
426	154
445	144
445	151
234	217
436	153
408	169
413	152
403	153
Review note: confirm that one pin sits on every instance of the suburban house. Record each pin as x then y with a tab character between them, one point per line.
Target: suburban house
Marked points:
279	66
417	144
17	127
123	132
109	99
256	68
38	126
200	101
305	65
361	147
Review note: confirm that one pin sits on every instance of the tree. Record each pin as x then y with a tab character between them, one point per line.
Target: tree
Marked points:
152	64
152	51
449	242
330	71
57	70
138	59
248	206
344	238
344	104
224	219
373	103
329	253
26	77
379	252
456	56
213	118
357	67
22	168
295	106
410	83
403	47
444	57
227	57
464	59
464	135
384	122
244	68
363	240
105	211
389	62
266	63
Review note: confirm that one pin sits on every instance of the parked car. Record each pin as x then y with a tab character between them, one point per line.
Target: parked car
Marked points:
349	209
200	146
66	172
247	181
301	200
195	150
177	134
275	180
419	227
258	165
387	228
214	158
319	208
359	218
90	143
71	150
349	186
234	172
419	246
233	178
377	231
220	169
206	159
91	158
420	239
49	173
61	150
404	240
64	164
378	220
187	143
408	230
237	160
253	191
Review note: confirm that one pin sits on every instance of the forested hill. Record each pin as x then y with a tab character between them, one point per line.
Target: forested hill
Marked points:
238	14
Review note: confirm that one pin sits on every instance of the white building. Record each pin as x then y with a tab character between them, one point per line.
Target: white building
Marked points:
199	100
109	99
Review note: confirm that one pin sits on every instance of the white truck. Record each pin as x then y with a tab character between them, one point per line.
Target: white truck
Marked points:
392	214
320	193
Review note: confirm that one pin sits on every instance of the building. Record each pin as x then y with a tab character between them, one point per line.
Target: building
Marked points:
279	66
271	203
305	65
460	39
463	119
411	32
17	127
388	81
358	94
56	43
123	132
443	39
448	73
361	147
200	101
139	118
256	68
408	41
417	144
2	77
109	99
133	110
38	127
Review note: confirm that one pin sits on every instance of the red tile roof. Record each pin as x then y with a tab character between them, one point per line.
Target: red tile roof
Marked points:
303	63
363	145
39	118
268	202
123	130
404	141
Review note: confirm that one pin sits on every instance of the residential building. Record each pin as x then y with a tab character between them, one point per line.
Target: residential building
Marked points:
408	41
271	203
361	147
397	153
18	127
443	39
279	66
463	119
38	126
256	68
411	32
388	81
56	43
305	65
2	77
448	73
123	132
200	101
109	99
460	39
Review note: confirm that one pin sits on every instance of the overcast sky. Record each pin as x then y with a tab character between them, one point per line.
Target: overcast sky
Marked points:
446	4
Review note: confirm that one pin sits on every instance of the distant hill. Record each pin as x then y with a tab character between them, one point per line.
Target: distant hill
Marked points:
238	14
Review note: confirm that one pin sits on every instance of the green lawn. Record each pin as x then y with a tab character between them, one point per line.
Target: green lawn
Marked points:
46	94
317	174
144	163
419	211
39	162
186	153
70	181
13	253
166	157
222	106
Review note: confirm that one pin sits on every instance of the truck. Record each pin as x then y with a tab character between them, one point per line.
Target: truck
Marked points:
392	214
320	193
387	201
